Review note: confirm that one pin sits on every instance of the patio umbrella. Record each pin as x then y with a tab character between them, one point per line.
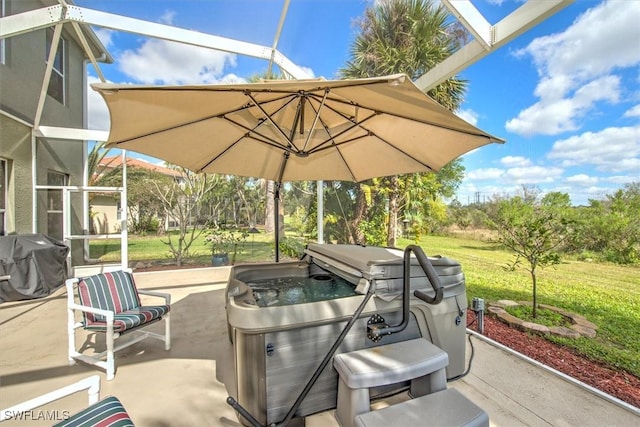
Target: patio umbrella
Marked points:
291	130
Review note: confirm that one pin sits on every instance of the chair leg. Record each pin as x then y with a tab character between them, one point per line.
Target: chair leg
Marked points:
110	362
167	332
71	336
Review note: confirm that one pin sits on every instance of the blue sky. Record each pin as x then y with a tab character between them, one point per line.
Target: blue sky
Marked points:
565	95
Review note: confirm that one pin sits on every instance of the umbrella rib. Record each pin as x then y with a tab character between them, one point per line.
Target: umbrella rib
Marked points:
159	131
418	120
346	165
247	135
315	120
250	131
268	117
370	133
217	156
330	142
202	119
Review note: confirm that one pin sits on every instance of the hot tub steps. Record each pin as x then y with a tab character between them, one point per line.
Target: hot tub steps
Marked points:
416	360
444	408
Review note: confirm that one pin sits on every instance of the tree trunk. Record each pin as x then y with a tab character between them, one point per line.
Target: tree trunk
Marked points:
269	210
392	226
357	236
534	313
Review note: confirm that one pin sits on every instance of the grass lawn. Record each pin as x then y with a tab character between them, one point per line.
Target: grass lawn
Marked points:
606	294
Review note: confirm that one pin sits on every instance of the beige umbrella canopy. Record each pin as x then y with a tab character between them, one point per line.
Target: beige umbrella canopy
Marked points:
291	130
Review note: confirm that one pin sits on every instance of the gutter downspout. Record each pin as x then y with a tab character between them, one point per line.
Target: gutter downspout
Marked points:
86	218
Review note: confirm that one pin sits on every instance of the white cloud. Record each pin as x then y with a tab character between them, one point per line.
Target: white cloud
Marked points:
167	17
602	39
308	71
610	150
576	66
582	179
633	111
105	36
552	116
163	62
533	174
622	179
482	174
513	161
98	112
468	115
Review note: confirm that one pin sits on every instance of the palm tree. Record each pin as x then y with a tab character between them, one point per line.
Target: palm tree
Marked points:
97	171
99	174
411	37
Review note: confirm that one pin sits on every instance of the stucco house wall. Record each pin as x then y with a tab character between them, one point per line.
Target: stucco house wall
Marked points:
21	77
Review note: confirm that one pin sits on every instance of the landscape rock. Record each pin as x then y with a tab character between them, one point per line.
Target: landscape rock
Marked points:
584	331
580	326
535	327
561	331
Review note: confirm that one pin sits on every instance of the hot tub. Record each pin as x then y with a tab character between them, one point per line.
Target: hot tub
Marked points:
284	317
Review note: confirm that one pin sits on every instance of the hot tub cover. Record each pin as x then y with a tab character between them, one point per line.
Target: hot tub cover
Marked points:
383	268
35	264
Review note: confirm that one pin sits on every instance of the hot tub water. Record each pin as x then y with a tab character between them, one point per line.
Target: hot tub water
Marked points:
281	291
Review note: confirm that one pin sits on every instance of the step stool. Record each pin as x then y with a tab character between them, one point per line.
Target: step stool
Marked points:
417	360
444	408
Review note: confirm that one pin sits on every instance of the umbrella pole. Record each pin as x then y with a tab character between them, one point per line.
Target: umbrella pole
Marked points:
276	202
276	219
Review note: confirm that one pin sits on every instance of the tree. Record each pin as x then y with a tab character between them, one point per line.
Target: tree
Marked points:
182	201
420	201
98	172
143	205
612	226
404	37
535	232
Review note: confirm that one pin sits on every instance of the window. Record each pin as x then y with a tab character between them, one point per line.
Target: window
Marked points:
55	206
4	180
56	83
3	43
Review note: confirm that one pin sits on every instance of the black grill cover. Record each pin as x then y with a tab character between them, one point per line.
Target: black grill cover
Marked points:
35	263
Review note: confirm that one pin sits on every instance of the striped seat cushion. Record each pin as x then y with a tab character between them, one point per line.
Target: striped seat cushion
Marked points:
108	412
116	291
131	319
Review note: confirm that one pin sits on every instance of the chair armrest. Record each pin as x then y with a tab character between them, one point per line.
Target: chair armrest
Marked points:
91	384
166	296
106	313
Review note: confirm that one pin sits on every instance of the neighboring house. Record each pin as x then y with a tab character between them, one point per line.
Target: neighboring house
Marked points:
28	160
106	209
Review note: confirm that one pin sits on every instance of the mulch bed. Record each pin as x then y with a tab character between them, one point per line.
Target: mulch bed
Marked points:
615	382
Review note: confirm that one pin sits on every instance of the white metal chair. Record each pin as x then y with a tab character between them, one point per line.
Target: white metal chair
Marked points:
110	304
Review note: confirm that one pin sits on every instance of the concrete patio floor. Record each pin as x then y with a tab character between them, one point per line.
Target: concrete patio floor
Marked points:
188	385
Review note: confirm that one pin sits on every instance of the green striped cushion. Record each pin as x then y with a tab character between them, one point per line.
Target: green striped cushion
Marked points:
114	291
108	412
131	318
